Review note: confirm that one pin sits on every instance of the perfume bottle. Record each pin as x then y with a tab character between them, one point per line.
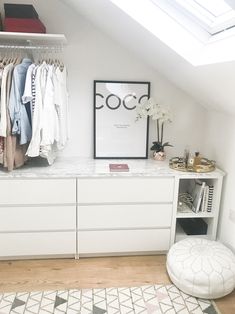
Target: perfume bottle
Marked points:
190	161
197	159
186	157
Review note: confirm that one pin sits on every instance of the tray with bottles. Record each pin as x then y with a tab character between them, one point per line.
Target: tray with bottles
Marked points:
192	164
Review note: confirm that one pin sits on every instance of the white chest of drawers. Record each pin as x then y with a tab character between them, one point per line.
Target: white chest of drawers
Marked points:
124	215
78	208
37	217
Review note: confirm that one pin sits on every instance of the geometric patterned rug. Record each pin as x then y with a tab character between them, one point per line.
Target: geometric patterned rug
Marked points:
156	299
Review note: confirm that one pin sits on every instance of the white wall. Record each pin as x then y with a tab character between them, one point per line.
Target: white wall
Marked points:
220	146
91	55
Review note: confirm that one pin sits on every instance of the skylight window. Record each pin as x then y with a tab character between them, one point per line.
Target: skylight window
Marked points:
201	31
215	7
213	15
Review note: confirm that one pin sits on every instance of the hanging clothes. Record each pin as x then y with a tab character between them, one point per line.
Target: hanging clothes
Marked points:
29	89
33	111
7	71
61	101
18	112
49	111
13	154
34	145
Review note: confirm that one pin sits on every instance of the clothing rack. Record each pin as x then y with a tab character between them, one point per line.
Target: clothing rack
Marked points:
40	47
31	41
33	50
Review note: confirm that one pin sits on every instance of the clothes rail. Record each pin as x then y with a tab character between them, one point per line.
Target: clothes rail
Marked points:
59	47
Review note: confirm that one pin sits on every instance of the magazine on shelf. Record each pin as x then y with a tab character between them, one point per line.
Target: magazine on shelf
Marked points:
205	199
197	192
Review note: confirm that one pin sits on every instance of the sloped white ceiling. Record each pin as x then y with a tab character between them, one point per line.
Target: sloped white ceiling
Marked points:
213	85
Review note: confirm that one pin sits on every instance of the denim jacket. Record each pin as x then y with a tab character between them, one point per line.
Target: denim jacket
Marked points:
17	110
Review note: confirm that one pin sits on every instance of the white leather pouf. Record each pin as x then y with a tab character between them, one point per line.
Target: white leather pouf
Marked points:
202	268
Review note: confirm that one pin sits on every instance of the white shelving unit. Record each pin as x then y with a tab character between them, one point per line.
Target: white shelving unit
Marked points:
32	42
214	178
31	39
194	215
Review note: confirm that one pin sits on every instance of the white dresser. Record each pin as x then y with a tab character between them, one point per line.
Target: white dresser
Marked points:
119	215
37	217
78	208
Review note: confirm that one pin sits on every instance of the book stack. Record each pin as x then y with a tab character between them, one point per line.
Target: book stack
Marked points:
118	167
202	195
210	198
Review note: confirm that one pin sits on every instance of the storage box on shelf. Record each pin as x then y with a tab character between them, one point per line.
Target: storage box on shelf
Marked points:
22	18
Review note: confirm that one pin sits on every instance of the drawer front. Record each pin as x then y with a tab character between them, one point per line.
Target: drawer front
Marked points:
124	216
38	191
124	190
37	218
36	244
123	241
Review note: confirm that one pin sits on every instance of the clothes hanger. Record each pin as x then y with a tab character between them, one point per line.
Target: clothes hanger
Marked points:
5	58
18	56
60	60
12	55
12	58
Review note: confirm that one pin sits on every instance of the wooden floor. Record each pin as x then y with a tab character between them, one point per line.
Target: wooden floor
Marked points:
90	273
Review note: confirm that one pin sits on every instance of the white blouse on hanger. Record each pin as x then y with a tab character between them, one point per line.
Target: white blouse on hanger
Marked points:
50	126
28	89
61	101
34	145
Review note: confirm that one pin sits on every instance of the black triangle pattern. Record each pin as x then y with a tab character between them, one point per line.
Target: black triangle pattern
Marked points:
97	310
16	303
59	301
210	310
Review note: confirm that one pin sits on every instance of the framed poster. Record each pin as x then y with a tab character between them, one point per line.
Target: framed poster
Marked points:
117	132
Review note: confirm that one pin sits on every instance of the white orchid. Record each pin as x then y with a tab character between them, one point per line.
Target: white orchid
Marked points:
159	115
155	111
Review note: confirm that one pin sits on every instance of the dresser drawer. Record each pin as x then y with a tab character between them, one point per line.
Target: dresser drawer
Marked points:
37	244
124	216
37	218
123	241
38	191
124	190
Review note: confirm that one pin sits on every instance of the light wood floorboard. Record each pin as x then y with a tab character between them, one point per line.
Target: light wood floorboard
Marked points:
35	275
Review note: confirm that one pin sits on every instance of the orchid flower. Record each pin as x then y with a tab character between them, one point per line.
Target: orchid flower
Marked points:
160	115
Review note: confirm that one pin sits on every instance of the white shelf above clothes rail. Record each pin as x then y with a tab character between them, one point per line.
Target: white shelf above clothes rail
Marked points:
30	40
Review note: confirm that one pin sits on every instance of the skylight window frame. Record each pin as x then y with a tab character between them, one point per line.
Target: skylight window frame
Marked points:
207	20
179	32
205	7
